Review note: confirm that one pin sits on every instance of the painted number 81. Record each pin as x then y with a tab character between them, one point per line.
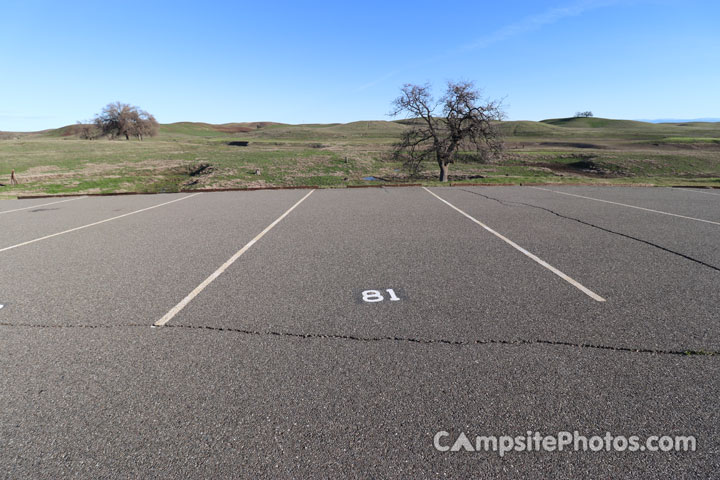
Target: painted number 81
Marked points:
374	296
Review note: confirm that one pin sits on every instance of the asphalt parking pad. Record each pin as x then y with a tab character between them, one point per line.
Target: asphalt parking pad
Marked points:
182	402
354	335
129	271
657	273
453	279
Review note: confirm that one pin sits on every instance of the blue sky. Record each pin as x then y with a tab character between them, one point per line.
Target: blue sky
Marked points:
306	62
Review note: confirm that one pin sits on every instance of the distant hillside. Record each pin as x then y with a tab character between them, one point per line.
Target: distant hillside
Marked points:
593	122
208	129
605	128
678	120
562	129
529	129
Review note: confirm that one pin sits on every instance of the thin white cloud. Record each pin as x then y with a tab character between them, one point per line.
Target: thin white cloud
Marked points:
535	22
378	80
525	25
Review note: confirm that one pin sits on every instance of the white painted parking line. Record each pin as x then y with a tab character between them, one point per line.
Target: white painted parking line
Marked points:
542	262
95	223
41	205
629	206
183	303
697	191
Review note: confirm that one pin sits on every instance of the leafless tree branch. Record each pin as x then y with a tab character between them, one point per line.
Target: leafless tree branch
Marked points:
465	122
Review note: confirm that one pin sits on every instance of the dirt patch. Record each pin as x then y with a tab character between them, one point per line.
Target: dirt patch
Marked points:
454	177
197	173
48	173
42	169
583	167
315	174
199	169
43	172
236	183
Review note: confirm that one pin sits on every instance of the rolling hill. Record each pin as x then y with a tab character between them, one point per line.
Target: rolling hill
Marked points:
557	128
197	156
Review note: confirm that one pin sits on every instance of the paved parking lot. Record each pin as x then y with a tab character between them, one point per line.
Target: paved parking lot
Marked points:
331	333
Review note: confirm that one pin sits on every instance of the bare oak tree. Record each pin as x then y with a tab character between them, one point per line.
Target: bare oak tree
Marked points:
460	121
120	119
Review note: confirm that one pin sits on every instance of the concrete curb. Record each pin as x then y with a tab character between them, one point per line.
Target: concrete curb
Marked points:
390	185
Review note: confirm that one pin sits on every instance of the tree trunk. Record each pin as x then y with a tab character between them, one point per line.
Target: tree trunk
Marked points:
444	167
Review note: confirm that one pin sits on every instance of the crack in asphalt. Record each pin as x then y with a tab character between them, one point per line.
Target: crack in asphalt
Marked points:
356	338
516	204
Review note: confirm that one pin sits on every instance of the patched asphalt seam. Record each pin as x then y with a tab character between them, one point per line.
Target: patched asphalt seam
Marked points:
355	338
32	325
630	237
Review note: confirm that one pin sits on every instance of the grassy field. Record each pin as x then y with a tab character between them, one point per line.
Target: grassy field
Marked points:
188	156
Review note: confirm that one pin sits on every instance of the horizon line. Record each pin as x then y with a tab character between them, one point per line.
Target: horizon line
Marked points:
655	120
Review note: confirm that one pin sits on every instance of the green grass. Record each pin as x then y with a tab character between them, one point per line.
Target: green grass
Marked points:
574	150
691	140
